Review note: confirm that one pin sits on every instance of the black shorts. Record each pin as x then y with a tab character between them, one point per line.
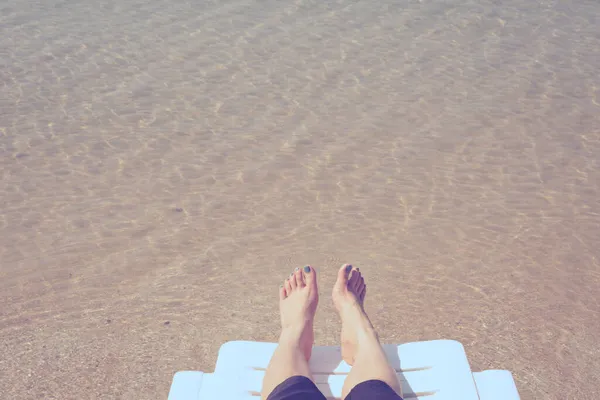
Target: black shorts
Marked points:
302	388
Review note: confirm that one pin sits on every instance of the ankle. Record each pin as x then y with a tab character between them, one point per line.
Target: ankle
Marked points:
293	333
351	310
359	322
367	334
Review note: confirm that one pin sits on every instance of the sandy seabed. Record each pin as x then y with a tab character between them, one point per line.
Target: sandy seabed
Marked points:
165	165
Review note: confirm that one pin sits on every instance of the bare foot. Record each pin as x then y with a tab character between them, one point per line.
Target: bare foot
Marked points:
348	296
298	299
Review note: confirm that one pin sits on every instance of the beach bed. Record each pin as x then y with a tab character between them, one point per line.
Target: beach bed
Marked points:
431	370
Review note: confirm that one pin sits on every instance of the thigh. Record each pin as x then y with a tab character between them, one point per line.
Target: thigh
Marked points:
373	389
296	388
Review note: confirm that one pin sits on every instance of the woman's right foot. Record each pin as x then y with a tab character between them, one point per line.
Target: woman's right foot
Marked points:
348	296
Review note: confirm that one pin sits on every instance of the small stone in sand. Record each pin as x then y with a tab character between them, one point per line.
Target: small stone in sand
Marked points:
167	322
179	209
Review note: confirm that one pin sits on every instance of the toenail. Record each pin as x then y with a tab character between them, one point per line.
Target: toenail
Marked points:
307	269
348	268
358	269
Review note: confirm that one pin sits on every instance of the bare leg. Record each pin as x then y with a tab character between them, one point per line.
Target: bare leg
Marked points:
360	343
298	299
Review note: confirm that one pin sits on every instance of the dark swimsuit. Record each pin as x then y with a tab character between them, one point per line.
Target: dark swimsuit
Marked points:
302	388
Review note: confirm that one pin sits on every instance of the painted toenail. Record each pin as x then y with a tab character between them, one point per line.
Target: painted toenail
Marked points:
307	269
358	269
348	268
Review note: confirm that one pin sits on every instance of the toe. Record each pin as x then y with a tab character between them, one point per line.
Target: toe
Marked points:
292	280
309	275
282	294
343	275
287	287
363	293
299	278
359	281
360	285
354	280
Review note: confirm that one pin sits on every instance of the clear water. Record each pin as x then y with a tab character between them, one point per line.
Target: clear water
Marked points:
173	161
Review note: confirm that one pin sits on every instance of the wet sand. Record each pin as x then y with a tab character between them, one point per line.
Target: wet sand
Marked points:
165	165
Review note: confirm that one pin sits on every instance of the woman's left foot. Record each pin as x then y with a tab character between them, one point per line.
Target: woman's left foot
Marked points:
298	298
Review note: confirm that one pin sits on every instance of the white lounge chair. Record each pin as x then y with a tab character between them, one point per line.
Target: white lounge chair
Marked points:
433	370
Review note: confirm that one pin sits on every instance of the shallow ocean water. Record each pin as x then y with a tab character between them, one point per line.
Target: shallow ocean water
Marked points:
165	165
